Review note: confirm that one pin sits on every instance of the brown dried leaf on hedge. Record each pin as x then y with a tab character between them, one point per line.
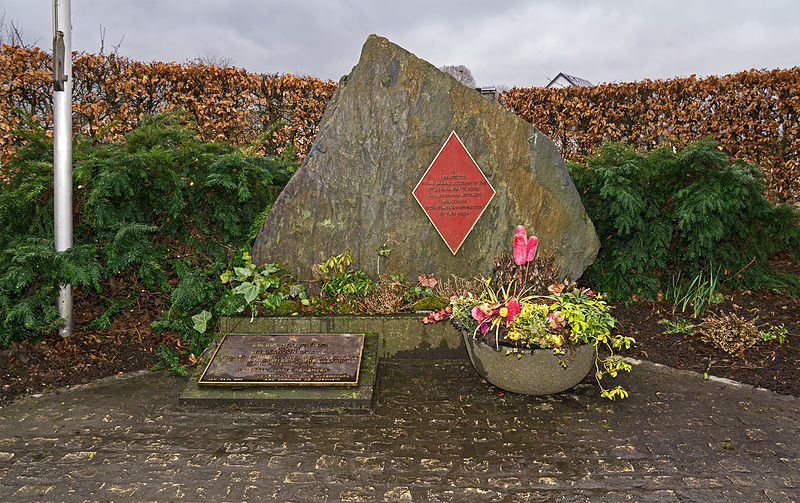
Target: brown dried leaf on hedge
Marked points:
111	94
754	115
386	298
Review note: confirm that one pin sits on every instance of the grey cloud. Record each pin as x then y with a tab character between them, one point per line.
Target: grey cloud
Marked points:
513	43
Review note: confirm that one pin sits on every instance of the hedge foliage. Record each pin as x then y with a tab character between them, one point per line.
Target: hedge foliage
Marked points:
111	95
674	212
752	115
160	209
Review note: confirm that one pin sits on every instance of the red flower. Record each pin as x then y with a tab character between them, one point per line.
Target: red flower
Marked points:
513	309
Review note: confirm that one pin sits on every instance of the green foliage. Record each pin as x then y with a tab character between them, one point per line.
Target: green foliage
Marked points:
671	212
678	326
699	293
288	307
342	288
430	303
590	321
159	210
775	333
201	320
257	288
30	274
114	306
169	359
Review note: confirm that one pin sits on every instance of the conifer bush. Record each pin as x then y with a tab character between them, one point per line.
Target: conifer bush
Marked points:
159	210
678	211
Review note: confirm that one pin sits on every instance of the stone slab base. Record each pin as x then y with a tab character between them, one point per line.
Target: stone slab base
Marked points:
400	335
289	397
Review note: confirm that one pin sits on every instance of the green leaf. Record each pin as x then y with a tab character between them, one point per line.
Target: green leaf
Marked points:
249	290
226	276
267	269
242	273
201	320
273	300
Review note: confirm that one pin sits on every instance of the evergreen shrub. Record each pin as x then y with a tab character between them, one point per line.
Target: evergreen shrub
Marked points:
682	211
159	210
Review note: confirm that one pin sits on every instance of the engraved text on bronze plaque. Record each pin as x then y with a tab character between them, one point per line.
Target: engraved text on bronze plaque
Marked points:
285	359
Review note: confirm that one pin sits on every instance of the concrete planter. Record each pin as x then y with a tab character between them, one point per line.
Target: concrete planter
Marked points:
538	372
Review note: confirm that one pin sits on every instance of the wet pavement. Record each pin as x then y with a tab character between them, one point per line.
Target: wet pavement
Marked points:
437	433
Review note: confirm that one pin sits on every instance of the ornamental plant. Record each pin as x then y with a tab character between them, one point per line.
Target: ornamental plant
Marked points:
673	216
515	319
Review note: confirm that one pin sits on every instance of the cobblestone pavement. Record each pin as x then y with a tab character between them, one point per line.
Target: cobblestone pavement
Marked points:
438	433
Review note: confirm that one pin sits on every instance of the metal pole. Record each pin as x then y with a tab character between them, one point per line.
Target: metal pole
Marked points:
62	146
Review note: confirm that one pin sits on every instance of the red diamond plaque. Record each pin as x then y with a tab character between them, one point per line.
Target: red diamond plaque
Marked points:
453	192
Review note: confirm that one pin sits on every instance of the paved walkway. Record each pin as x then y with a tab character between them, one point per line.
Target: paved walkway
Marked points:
438	433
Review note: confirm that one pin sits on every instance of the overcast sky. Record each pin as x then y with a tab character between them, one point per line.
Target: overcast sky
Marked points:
503	42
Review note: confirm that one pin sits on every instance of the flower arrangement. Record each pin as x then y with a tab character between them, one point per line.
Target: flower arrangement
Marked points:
515	319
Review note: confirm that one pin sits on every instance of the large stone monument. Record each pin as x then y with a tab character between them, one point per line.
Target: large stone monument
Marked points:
370	180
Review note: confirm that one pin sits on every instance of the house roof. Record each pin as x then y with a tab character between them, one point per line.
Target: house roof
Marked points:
571	81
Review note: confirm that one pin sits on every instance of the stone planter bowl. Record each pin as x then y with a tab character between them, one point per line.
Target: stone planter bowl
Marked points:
538	372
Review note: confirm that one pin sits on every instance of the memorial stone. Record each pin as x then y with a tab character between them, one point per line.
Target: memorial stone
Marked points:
381	131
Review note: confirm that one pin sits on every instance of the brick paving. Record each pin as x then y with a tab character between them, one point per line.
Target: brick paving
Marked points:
437	433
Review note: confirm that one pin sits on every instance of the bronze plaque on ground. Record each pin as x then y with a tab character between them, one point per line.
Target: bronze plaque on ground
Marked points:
285	360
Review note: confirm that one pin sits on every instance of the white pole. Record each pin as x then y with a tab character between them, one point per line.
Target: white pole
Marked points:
62	146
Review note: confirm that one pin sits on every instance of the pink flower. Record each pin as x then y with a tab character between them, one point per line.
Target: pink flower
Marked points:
428	280
488	309
524	248
483	313
520	246
533	244
557	320
513	309
477	314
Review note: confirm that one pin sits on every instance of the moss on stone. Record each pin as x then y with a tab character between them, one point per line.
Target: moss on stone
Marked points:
287	307
430	304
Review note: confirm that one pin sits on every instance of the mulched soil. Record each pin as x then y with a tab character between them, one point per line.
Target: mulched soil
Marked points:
129	344
768	364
